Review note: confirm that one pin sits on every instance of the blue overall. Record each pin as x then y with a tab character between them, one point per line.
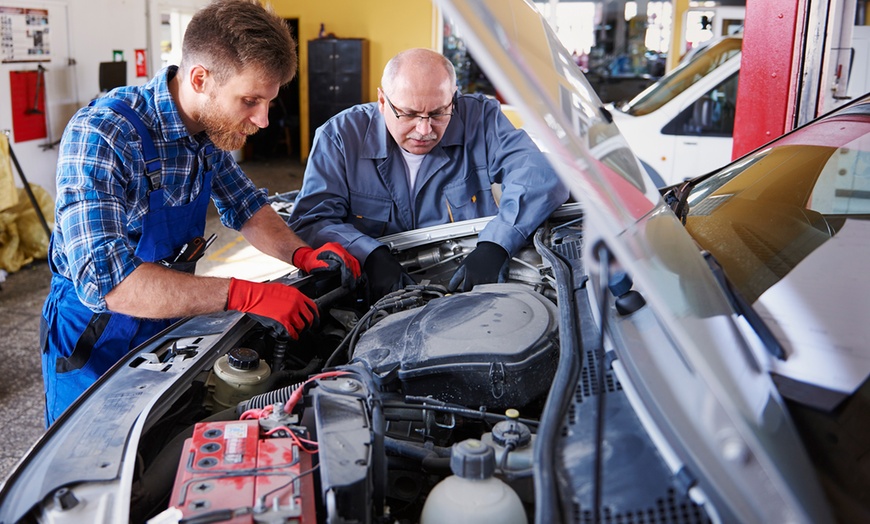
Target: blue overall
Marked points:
78	345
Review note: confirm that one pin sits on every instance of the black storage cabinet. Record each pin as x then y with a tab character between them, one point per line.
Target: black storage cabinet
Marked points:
337	77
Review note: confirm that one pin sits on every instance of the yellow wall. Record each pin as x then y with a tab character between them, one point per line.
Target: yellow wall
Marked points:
389	26
677	31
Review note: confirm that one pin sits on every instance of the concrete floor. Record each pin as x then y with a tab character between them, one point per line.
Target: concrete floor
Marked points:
23	292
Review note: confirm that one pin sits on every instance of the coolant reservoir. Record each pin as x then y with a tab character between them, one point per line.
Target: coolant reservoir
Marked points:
240	374
472	494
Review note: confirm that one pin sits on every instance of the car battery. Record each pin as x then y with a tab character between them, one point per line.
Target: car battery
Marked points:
228	471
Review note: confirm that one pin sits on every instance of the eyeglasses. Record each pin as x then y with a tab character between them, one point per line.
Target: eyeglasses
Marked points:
435	119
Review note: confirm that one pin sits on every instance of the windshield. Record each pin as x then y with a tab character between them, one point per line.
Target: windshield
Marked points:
683	77
764	215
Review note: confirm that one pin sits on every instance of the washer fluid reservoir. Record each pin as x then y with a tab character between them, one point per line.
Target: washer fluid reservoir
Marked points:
240	374
472	494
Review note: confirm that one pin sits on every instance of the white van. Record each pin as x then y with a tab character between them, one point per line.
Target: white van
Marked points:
682	125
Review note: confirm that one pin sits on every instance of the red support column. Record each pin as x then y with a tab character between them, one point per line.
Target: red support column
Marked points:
767	87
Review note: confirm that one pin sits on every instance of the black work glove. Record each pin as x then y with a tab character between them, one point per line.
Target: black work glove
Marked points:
488	263
385	274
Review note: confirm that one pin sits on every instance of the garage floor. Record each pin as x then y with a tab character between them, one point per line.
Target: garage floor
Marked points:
23	292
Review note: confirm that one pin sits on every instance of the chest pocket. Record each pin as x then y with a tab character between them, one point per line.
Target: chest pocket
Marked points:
369	214
470	199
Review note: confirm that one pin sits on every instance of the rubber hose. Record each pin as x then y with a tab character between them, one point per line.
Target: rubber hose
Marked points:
277	396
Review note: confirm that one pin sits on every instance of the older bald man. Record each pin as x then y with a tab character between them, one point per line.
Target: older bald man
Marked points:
424	155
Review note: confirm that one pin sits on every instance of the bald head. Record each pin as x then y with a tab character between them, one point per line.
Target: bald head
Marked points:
417	69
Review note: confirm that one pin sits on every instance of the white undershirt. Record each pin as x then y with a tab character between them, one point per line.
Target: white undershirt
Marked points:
412	167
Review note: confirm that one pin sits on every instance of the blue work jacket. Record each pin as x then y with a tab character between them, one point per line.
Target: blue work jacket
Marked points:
355	188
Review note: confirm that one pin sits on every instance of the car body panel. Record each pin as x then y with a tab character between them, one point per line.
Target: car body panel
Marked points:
89	443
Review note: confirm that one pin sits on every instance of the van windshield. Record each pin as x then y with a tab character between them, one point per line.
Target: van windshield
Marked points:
683	76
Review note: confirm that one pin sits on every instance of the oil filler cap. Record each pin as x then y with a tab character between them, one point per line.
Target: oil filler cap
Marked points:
243	358
472	459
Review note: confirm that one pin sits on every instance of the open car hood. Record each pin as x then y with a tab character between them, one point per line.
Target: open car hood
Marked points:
711	388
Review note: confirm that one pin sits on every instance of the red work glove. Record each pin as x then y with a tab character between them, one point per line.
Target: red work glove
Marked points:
274	305
330	257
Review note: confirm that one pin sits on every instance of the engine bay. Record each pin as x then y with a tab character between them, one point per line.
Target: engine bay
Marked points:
421	406
358	420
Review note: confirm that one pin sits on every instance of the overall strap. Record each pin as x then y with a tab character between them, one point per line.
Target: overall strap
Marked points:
153	164
210	151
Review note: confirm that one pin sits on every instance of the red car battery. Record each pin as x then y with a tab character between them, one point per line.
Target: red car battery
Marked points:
229	470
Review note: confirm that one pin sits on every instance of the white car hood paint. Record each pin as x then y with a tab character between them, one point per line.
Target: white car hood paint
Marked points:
819	312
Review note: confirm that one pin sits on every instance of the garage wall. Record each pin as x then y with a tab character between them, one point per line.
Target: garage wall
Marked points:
38	163
84	33
389	25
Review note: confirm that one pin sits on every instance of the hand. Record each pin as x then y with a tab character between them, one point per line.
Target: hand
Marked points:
274	305
329	257
385	273
488	263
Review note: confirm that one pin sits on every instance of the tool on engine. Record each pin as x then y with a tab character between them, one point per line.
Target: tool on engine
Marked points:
193	250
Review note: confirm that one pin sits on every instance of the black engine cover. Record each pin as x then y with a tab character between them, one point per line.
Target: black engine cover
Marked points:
495	346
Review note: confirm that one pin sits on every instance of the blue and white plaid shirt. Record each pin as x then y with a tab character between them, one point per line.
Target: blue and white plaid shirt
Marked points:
102	191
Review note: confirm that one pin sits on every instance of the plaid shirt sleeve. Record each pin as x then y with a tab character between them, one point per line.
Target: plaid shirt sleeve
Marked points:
91	245
235	196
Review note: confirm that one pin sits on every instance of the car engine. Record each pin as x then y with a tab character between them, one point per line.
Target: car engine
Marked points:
370	411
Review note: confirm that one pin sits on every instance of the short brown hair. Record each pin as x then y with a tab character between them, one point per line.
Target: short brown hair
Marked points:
228	36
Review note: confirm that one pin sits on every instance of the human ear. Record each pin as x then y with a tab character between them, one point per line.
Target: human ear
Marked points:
198	76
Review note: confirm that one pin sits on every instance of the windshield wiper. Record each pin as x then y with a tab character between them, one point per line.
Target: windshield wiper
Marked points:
745	309
677	198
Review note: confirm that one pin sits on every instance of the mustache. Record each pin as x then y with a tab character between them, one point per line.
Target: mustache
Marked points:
413	135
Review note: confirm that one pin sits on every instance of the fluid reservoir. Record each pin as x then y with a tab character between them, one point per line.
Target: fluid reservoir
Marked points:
472	494
513	443
239	375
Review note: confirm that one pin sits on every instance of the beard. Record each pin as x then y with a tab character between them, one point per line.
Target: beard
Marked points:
225	133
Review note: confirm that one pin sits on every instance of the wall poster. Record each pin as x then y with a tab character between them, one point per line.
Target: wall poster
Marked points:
24	35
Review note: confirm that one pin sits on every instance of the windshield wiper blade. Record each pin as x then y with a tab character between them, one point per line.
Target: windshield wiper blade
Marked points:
677	199
745	309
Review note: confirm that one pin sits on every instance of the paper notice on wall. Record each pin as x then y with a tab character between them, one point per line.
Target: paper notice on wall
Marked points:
24	35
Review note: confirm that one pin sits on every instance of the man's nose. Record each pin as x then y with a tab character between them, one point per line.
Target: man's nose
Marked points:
424	125
260	118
